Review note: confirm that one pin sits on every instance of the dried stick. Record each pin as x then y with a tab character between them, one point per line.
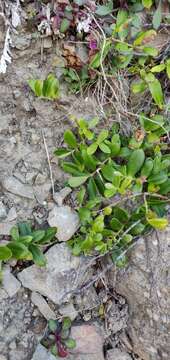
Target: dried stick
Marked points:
49	164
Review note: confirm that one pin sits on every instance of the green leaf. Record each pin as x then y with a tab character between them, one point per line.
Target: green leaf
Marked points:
85	215
24	229
159	178
5	253
51	87
98	224
110	190
66	324
92	123
61	152
102	136
108	172
168	68
38	235
52	324
38	87
81	195
65	24
115	144
115	224
135	162
76	181
70	343
103	10
104	148
49	235
19	251
144	36
92	148
158	223
71	168
147	3
150	51
38	257
157	17
165	187
151	124
147	167
158	68
70	139
121	214
138	87
156	92
14	232
27	239
125	184
92	189
137	229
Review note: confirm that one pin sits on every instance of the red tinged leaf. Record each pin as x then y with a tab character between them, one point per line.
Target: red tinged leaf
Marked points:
62	352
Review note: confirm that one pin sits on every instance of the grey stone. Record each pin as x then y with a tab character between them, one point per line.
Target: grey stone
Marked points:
57	278
42	191
41	353
117	354
66	220
10	284
42	305
3	212
145	286
14	186
21	42
61	195
68	310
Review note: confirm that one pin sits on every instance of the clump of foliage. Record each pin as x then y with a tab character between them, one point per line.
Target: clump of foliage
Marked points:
26	243
48	88
58	337
110	169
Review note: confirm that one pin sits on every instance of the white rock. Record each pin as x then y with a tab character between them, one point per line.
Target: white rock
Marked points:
42	305
117	354
10	284
68	310
66	220
41	353
14	186
57	278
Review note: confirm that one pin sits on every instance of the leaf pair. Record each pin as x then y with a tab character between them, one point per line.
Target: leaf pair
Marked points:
48	88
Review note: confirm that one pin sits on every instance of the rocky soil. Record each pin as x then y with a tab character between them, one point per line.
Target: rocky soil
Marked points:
135	301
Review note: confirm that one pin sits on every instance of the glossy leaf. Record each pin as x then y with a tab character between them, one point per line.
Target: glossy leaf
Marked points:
158	223
70	139
135	162
5	253
38	257
77	181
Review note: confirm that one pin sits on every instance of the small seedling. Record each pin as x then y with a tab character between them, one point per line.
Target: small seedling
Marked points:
48	89
59	337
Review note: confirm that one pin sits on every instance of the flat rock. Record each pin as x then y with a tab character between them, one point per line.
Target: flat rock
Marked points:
145	285
57	278
66	220
41	353
42	305
68	310
89	340
117	354
10	284
14	186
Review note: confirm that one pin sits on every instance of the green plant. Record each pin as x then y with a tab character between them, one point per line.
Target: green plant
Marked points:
48	88
25	244
112	166
58	337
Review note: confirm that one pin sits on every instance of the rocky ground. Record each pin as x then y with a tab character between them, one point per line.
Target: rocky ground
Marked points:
134	302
